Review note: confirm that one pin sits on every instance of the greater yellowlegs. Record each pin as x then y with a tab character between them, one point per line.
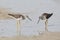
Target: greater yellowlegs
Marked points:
17	17
45	16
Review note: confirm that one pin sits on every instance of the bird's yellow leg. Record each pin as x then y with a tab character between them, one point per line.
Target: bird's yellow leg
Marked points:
46	25
17	26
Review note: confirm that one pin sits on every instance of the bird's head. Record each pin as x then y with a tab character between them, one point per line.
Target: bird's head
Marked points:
23	17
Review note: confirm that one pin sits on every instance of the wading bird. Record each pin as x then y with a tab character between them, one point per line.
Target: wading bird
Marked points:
5	14
17	18
45	16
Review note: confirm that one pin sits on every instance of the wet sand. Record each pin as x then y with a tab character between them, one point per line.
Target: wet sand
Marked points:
43	36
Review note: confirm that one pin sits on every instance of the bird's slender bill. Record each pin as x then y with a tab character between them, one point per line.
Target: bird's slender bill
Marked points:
38	20
29	18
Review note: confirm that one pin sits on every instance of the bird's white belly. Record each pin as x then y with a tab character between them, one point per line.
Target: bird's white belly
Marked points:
43	17
18	18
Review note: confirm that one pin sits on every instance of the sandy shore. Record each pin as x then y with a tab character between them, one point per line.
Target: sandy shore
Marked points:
43	36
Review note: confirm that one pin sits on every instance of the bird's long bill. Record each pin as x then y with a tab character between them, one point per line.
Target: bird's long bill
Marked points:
38	20
29	18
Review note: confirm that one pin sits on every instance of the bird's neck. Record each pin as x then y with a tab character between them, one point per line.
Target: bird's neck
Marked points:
43	17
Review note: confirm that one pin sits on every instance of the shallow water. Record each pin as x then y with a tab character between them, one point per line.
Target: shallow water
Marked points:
8	27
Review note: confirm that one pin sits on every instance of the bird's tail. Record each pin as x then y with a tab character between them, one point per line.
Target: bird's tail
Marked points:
51	13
